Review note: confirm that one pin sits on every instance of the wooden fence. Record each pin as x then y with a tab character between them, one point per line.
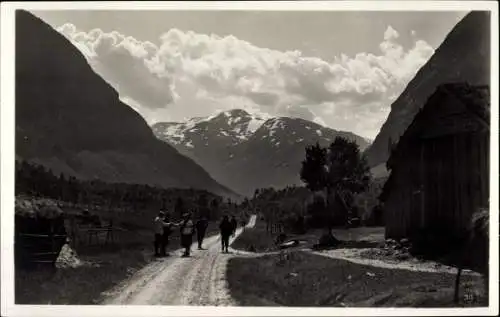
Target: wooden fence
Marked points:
38	241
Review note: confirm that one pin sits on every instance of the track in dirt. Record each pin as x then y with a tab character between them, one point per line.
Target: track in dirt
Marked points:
199	280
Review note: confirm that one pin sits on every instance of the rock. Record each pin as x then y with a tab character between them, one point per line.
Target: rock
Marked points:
402	256
404	242
67	258
390	241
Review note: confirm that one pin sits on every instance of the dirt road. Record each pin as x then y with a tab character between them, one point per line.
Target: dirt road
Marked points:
198	280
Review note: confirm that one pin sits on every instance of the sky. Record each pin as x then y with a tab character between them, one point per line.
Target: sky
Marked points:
339	69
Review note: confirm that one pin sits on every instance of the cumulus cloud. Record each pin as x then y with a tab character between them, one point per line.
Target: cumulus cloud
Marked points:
390	34
125	63
189	74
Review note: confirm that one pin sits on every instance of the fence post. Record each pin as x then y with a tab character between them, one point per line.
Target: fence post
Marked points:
51	235
74	232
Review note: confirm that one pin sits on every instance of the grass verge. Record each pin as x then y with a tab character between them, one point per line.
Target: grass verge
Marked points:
306	279
257	239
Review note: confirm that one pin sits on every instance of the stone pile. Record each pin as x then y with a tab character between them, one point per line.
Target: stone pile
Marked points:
68	258
392	249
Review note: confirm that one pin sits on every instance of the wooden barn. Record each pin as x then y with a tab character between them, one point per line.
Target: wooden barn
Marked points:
440	166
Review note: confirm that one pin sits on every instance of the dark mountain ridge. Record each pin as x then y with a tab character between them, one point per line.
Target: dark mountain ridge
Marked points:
70	120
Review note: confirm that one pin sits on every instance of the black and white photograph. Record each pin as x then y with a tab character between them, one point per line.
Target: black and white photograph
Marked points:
249	158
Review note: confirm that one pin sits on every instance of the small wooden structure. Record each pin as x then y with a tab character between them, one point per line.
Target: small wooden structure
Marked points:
440	167
86	231
39	232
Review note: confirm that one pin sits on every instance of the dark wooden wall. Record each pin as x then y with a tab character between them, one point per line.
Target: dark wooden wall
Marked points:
439	184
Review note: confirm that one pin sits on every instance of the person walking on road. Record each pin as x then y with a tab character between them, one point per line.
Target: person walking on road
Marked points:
201	228
226	230
168	227
158	229
187	230
234	225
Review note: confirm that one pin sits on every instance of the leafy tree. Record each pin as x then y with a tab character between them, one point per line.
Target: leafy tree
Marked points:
348	170
340	169
246	203
313	172
256	193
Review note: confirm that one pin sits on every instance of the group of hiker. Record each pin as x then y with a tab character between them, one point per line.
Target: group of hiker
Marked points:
164	227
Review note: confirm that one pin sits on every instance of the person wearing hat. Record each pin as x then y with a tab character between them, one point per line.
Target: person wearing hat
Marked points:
187	231
226	229
158	228
201	228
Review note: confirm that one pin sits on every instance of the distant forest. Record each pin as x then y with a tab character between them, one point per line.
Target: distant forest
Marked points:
37	181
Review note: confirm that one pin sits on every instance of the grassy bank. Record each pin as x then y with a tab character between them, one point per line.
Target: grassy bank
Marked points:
83	285
311	280
257	239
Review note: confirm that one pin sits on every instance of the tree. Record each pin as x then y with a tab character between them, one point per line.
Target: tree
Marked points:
340	169
256	193
313	172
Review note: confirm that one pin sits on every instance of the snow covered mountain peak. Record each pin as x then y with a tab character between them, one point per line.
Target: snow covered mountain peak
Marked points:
236	124
245	151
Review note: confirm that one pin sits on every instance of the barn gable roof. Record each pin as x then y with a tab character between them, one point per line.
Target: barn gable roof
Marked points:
476	100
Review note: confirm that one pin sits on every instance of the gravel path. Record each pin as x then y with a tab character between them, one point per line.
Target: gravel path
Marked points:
199	280
412	264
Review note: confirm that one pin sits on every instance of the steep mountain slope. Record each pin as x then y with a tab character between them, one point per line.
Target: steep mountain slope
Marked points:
244	151
69	119
464	56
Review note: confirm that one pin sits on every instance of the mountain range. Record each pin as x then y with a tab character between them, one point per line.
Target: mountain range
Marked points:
71	121
245	151
463	56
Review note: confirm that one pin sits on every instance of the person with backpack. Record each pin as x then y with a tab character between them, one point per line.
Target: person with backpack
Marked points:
226	230
201	228
187	228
